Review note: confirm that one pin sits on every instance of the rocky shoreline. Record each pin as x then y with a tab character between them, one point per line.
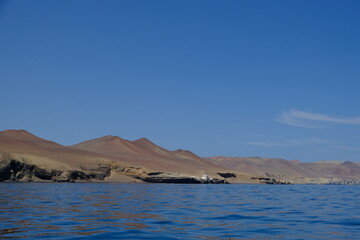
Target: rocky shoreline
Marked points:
14	170
25	157
17	171
285	179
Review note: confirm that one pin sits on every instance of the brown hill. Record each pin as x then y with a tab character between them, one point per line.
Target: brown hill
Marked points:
186	154
20	135
151	148
24	156
111	146
260	166
23	145
143	152
274	166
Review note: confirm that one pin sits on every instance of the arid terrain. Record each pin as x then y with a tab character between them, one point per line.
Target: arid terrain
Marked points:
335	172
26	157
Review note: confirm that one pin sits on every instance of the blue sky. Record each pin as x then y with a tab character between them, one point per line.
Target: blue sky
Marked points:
235	78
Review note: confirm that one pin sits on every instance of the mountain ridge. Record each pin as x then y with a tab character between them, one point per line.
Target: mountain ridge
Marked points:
25	156
277	166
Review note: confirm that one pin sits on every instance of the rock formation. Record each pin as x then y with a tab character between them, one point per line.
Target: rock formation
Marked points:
26	157
280	171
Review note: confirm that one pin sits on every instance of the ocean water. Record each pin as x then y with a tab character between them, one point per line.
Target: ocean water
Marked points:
171	211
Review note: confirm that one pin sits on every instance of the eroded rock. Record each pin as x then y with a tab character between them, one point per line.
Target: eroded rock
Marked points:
164	177
227	175
14	170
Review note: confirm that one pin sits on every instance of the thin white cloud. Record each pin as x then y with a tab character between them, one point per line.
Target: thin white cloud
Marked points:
312	120
349	148
265	144
292	143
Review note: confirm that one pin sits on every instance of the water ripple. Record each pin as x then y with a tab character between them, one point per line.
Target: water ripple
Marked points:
150	211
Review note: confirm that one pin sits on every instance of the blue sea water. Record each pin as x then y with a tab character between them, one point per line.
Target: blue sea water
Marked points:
171	211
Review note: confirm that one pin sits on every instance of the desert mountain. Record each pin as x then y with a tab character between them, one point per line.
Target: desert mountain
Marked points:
24	145
112	146
143	152
24	156
297	169
186	154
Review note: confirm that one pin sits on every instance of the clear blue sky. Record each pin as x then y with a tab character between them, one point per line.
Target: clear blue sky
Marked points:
235	78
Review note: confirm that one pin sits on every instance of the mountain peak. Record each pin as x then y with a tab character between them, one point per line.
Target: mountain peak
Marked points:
110	145
111	138
23	134
108	140
348	164
148	145
144	141
186	154
16	131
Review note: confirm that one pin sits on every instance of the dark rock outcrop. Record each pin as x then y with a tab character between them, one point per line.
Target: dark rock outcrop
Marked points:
164	177
14	170
270	180
170	179
99	173
227	175
339	181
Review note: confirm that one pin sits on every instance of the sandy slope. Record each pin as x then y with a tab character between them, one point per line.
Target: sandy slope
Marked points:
143	152
105	155
23	145
122	160
261	166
